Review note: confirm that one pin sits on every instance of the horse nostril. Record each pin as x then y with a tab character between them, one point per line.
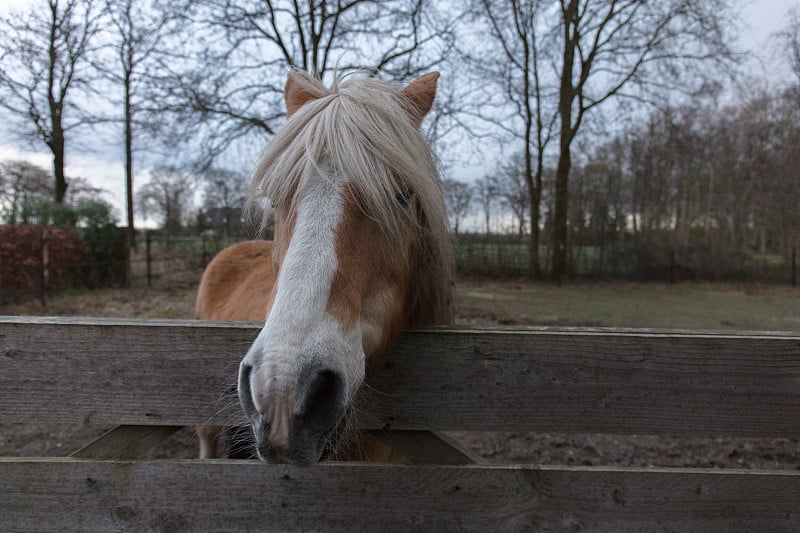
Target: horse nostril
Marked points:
321	398
245	395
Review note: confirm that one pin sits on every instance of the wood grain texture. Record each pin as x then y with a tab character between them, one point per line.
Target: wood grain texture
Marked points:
77	495
157	372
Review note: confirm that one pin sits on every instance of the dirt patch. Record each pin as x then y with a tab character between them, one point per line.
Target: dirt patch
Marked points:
633	450
176	301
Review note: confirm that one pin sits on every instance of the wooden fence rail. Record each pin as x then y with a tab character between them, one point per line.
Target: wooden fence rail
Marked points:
81	495
175	373
172	372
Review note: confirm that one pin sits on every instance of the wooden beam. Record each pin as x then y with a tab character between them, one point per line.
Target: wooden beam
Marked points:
126	442
158	372
77	495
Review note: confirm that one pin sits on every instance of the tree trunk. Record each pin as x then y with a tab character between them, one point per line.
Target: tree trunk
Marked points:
56	141
566	95
533	240
57	146
534	188
129	164
533	202
559	267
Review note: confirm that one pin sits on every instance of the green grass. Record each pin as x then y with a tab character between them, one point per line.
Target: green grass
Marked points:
769	259
509	257
639	305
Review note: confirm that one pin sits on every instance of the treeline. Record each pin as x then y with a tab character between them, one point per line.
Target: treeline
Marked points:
718	187
192	91
181	202
695	191
188	88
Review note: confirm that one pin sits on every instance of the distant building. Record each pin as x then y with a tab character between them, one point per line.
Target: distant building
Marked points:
224	220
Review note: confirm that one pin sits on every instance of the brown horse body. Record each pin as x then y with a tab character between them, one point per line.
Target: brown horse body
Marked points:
237	283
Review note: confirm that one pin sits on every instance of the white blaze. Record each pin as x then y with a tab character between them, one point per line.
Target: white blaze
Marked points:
298	332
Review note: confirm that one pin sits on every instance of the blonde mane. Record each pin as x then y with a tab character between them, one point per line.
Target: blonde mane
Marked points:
360	130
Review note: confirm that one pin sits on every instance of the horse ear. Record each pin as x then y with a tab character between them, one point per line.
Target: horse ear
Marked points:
295	93
420	94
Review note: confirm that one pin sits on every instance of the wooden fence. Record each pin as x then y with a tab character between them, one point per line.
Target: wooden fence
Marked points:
152	376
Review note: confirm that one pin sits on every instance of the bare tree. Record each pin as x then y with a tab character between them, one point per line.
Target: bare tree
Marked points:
168	196
626	48
458	198
485	193
790	36
139	30
517	30
82	189
513	192
224	191
21	183
235	88
45	60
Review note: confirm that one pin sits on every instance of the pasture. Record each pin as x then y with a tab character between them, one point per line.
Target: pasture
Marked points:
720	306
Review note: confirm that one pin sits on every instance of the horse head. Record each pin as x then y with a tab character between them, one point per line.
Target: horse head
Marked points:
361	251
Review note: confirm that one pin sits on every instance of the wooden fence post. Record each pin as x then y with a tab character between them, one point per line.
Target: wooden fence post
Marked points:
205	251
45	263
794	266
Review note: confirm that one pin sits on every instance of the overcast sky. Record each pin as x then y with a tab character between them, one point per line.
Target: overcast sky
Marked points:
105	170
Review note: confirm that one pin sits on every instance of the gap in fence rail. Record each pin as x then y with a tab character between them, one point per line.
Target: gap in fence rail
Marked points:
774	454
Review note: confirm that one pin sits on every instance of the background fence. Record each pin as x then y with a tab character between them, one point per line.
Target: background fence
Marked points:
167	260
36	261
500	256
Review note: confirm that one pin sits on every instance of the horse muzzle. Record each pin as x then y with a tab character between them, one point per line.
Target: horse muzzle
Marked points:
295	420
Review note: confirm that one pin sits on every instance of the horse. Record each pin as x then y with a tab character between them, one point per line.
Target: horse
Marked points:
361	251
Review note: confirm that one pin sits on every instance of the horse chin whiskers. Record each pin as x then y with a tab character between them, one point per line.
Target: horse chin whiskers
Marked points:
303	457
310	449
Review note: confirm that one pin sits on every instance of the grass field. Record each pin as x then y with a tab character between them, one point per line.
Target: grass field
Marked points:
637	305
617	304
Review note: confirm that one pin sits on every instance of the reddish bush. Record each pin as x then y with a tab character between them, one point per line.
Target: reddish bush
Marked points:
21	253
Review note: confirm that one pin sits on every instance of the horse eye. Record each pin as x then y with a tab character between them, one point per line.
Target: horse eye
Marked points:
404	196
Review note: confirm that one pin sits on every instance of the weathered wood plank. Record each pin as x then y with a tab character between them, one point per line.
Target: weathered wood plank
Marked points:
133	372
76	495
125	442
572	380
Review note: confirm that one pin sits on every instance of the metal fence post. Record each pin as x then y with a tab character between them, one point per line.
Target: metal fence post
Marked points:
672	266
45	262
149	259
